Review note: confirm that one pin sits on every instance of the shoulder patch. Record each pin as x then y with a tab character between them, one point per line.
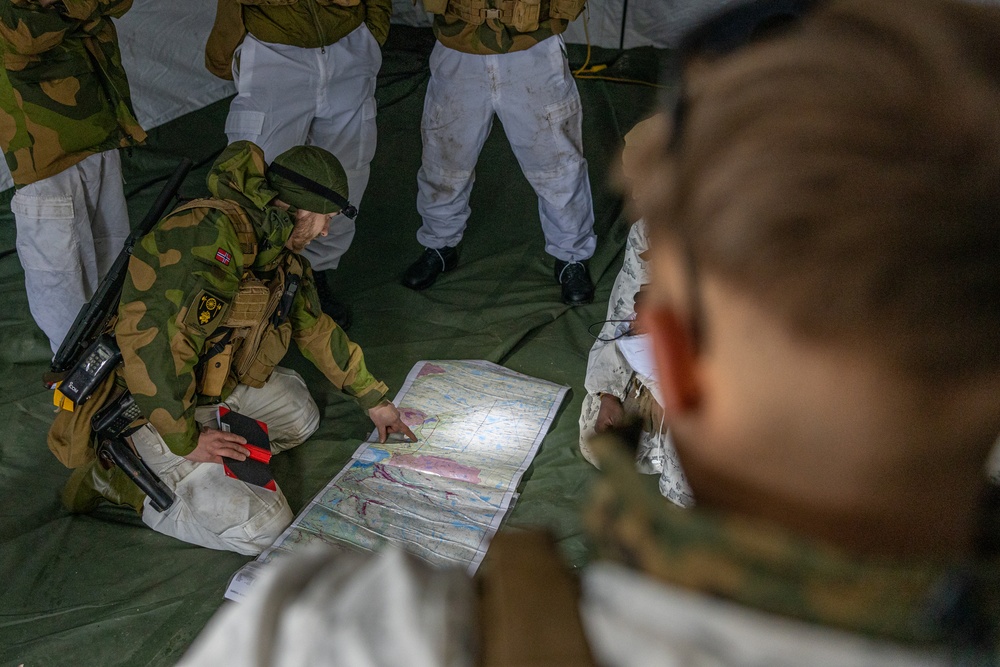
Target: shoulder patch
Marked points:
205	309
223	256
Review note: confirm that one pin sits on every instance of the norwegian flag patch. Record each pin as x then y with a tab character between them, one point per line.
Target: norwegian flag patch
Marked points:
223	256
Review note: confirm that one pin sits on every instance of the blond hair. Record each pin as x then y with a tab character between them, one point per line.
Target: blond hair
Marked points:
847	174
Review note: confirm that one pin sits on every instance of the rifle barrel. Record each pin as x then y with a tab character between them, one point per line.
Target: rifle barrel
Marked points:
94	315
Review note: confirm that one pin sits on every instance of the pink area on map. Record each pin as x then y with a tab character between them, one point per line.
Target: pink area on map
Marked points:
437	465
430	369
412	416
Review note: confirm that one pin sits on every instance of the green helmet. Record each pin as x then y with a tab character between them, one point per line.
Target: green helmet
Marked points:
312	179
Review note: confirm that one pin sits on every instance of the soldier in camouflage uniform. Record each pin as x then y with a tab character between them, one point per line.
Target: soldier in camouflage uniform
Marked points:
305	73
198	326
504	57
64	112
825	305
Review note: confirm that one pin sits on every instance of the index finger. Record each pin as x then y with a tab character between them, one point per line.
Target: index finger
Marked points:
405	430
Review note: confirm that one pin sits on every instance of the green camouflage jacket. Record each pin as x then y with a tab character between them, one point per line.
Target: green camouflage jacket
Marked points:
762	566
182	279
491	36
314	23
63	91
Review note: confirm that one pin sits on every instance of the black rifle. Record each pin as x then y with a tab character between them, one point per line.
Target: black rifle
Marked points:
91	356
94	316
118	452
111	425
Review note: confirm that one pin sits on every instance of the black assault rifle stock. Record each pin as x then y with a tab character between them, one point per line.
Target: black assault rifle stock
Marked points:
87	355
95	314
116	451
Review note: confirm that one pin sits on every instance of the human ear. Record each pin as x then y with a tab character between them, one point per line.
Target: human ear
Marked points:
676	358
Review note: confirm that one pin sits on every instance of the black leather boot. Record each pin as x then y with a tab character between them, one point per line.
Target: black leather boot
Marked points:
423	272
577	287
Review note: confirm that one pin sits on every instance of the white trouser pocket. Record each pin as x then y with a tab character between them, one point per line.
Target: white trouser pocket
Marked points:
47	237
244	125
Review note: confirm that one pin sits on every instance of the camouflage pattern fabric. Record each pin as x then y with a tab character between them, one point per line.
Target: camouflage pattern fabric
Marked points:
761	566
316	164
63	92
314	23
182	279
492	36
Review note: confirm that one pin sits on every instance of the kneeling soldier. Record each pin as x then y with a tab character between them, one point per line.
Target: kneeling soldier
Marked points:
213	297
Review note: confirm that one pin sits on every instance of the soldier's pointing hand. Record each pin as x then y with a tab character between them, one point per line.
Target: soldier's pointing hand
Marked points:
387	420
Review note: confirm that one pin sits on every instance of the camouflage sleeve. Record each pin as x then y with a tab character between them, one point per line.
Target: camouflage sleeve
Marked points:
27	29
181	279
115	8
86	10
377	19
327	346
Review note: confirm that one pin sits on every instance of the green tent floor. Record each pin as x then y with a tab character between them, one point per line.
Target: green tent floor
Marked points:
103	589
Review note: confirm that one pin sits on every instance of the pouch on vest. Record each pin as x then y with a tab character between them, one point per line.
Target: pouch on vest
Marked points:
258	353
271	350
69	436
566	9
215	372
249	309
249	338
477	12
434	6
339	3
526	14
250	306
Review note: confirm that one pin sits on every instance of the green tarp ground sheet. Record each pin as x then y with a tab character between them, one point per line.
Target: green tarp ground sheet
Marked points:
103	589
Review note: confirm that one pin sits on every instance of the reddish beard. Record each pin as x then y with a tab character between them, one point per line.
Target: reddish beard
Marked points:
299	238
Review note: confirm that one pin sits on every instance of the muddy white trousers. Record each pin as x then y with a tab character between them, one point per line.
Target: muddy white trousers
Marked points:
70	229
533	94
216	511
290	96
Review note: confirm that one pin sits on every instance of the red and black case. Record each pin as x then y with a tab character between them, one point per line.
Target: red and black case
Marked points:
256	469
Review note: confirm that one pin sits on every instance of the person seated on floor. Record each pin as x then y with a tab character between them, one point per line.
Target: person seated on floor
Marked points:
825	309
620	378
214	295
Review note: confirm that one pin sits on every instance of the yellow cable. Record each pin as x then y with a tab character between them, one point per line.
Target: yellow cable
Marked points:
587	72
638	82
